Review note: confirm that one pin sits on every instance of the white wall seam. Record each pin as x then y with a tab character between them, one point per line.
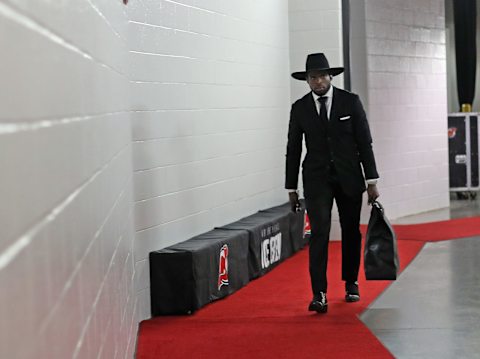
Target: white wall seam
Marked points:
22	19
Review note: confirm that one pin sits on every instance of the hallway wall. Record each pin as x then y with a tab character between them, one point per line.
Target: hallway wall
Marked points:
210	101
196	87
124	129
66	218
407	102
315	26
398	67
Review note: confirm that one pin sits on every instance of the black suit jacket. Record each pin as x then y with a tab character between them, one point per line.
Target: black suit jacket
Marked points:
346	141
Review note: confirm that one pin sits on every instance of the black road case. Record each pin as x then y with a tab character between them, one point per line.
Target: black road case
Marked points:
463	153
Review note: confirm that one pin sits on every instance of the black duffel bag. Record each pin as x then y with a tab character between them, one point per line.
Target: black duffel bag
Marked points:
381	255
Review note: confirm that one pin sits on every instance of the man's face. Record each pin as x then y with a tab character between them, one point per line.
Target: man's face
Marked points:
319	82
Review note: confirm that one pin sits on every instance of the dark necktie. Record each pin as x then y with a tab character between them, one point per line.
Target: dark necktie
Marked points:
323	109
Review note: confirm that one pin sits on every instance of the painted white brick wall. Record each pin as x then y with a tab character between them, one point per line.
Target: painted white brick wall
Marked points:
210	100
196	86
66	214
315	26
402	85
407	102
203	90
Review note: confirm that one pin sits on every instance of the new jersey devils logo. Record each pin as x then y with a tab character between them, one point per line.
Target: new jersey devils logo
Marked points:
223	267
307	230
452	132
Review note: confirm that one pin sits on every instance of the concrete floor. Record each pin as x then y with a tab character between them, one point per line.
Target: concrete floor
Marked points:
457	209
433	309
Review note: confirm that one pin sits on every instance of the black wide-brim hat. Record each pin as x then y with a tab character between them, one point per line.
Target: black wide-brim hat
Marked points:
317	62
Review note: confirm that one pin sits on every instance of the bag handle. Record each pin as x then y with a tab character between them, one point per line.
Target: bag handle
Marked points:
378	205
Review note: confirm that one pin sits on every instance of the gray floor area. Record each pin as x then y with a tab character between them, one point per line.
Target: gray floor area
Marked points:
433	309
457	209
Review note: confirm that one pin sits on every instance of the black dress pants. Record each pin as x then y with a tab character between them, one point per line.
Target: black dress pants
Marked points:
319	210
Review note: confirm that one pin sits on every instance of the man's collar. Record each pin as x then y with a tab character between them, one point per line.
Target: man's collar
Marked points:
329	93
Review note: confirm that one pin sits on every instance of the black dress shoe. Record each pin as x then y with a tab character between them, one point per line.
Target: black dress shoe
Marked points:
351	292
319	303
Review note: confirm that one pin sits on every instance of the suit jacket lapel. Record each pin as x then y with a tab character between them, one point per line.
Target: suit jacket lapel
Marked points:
335	105
312	108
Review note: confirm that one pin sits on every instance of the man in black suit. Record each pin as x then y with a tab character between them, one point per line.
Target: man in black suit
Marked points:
339	145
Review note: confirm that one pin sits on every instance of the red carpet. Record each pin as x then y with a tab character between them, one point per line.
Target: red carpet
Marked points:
440	231
269	319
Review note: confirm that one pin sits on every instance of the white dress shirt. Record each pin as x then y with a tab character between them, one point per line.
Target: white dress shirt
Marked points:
328	103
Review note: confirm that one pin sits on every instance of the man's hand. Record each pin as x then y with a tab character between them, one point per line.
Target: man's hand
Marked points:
294	202
372	192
